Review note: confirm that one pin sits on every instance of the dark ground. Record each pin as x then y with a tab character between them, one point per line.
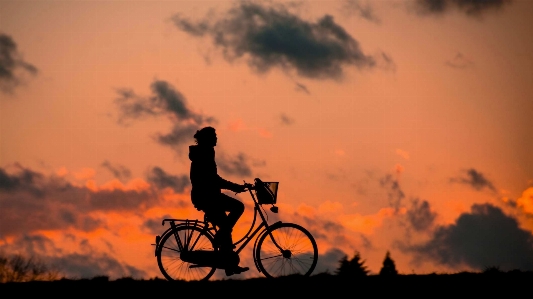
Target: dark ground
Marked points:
322	285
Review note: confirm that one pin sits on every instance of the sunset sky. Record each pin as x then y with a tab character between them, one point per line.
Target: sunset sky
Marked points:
402	126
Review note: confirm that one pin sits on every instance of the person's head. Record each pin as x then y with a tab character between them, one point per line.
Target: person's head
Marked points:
206	136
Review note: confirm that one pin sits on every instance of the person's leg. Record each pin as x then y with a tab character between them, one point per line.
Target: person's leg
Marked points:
233	206
217	214
235	209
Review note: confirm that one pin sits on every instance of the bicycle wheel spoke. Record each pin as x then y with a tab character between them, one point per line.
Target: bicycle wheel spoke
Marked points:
271	257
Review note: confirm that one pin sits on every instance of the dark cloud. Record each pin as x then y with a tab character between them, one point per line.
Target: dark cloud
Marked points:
120	172
180	134
87	263
285	119
154	225
420	216
165	100
329	261
120	200
474	179
470	7
485	237
459	61
12	66
323	229
57	204
274	37
162	179
238	165
23	180
394	192
365	11
302	88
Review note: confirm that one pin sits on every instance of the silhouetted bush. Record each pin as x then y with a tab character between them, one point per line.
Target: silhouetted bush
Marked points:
100	278
17	268
492	270
352	268
389	267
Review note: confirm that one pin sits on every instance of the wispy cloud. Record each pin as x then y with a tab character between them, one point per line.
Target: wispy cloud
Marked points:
237	165
475	179
12	67
301	87
167	101
272	36
459	61
360	9
394	192
285	119
119	171
469	7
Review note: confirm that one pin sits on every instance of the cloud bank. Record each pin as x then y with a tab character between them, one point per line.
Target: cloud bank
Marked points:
482	238
55	204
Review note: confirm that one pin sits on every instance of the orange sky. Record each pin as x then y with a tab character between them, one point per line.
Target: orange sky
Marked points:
390	125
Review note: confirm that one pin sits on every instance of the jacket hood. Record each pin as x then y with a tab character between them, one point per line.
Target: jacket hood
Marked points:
197	152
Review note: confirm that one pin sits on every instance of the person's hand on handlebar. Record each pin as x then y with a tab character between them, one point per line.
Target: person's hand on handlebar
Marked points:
240	188
248	186
243	187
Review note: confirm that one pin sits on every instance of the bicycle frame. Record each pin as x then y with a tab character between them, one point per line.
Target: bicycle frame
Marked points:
211	229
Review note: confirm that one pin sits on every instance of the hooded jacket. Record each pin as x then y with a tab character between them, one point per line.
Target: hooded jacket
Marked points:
205	181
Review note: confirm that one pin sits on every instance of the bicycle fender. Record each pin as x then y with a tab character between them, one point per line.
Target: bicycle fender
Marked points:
180	225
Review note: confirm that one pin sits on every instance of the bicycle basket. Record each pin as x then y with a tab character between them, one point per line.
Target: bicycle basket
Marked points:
266	192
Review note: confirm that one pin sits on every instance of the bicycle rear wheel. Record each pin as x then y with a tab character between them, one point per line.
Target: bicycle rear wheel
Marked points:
191	238
294	251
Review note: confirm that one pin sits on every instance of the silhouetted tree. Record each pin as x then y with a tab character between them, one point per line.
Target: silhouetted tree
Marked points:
352	268
389	268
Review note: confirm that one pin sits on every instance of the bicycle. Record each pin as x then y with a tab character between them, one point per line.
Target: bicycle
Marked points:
186	250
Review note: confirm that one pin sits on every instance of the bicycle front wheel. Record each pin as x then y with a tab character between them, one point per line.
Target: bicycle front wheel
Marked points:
170	247
287	249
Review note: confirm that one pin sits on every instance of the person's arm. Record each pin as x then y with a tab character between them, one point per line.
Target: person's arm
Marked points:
225	184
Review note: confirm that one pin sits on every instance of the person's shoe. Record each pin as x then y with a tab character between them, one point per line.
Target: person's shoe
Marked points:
236	270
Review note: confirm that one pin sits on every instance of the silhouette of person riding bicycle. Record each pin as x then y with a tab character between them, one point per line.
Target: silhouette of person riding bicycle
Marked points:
191	249
206	194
